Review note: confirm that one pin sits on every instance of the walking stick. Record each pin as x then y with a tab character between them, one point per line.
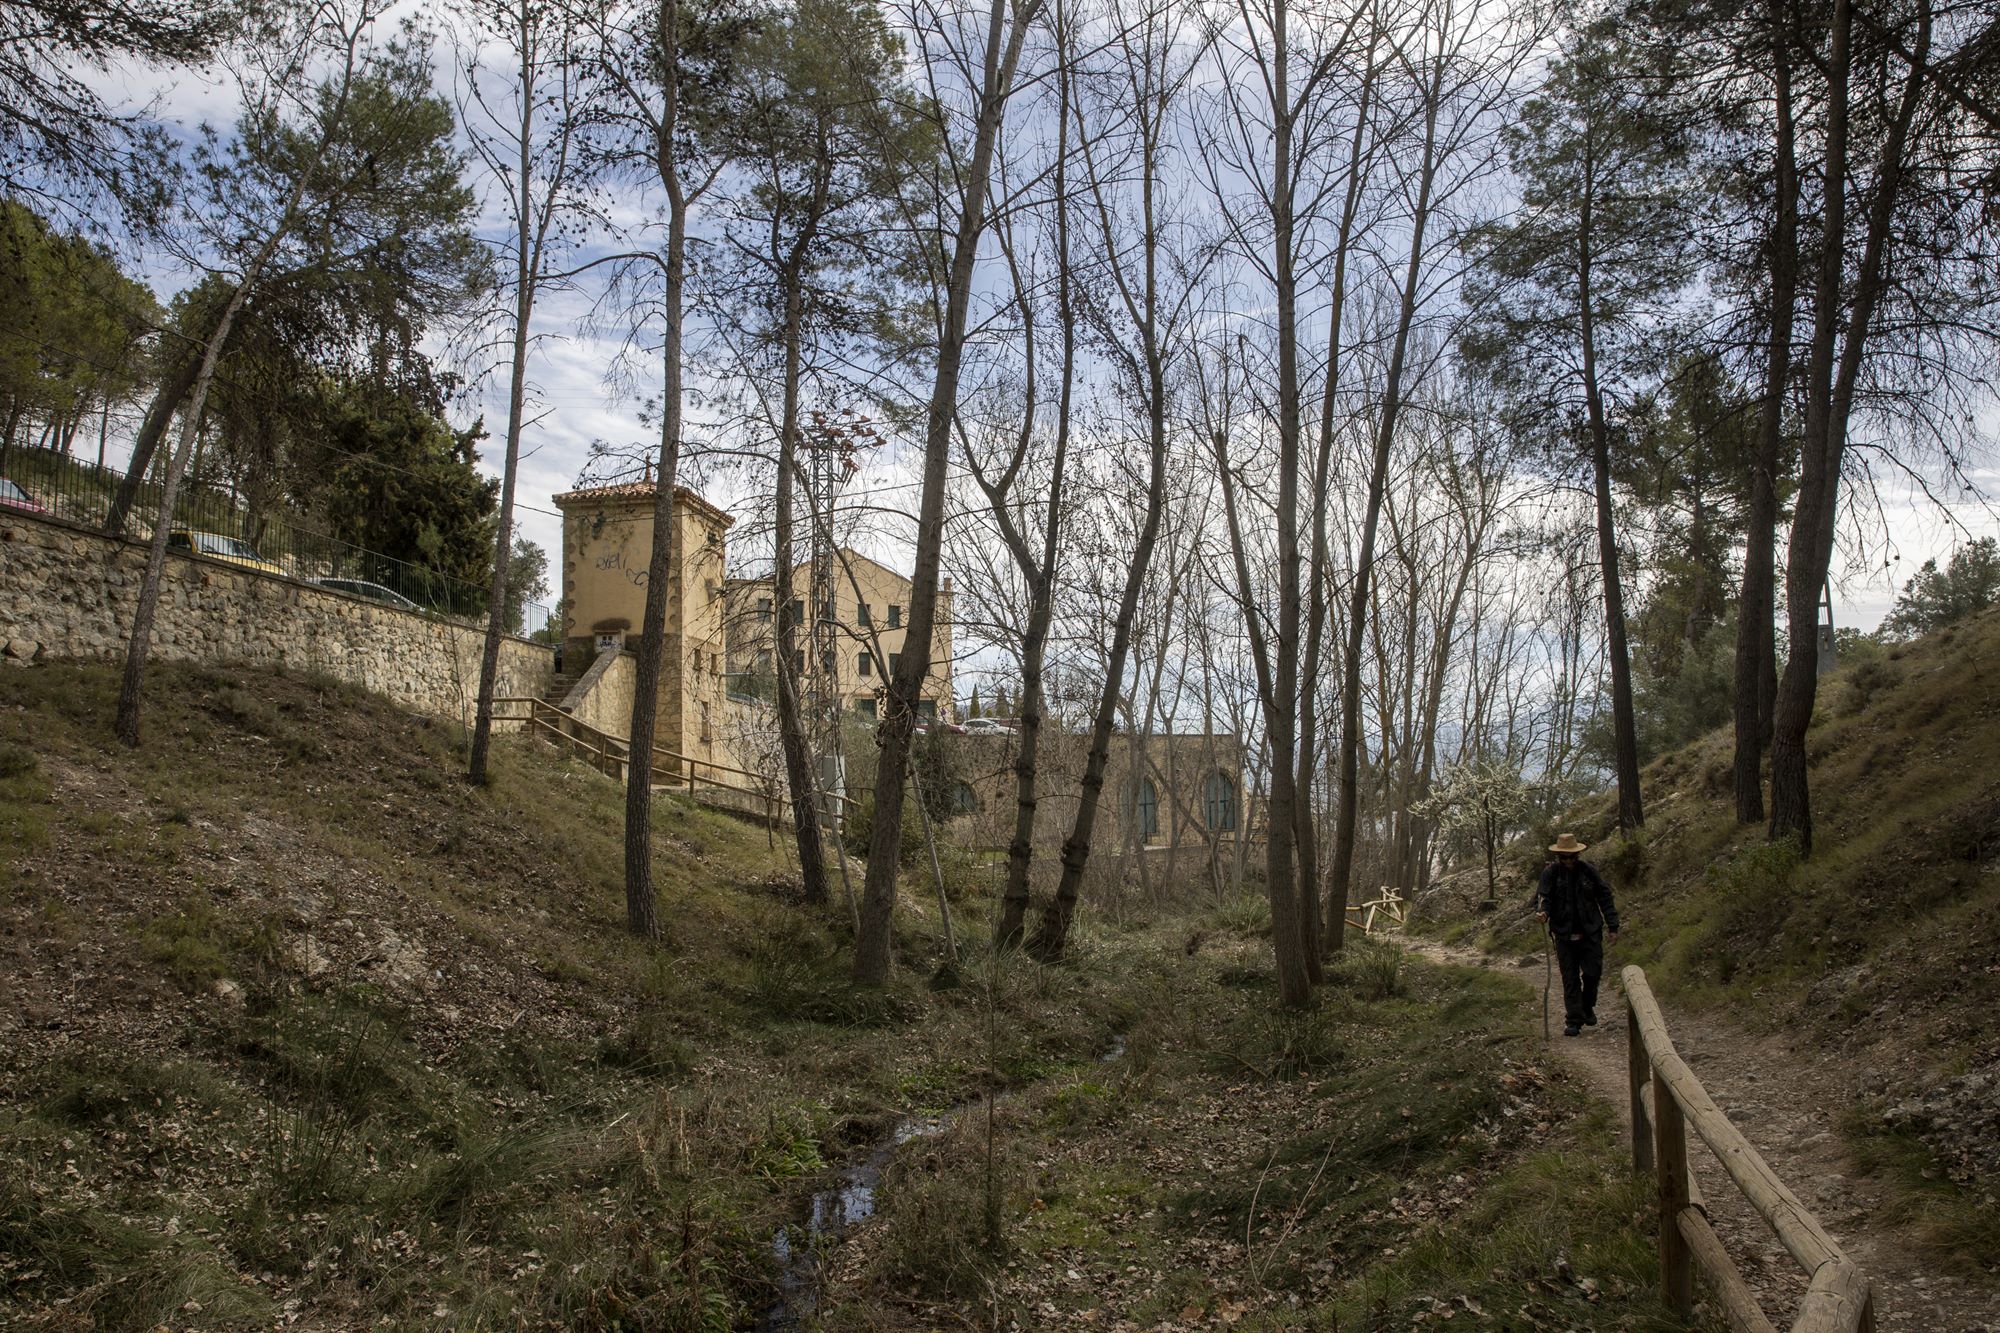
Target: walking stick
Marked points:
1548	976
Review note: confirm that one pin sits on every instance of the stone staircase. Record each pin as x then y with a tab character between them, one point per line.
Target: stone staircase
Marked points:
558	689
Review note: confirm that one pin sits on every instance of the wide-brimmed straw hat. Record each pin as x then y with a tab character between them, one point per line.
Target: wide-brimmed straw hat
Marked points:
1567	845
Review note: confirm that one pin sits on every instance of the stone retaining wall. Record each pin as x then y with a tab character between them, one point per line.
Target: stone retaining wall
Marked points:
68	592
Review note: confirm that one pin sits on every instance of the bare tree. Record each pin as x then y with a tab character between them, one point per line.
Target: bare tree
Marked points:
1007	29
526	138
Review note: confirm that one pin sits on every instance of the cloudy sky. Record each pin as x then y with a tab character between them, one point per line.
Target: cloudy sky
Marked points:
578	400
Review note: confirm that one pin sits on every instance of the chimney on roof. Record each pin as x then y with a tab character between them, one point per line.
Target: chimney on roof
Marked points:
649	471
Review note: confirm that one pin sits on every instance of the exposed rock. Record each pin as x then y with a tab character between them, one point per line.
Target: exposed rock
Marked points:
22	650
309	958
228	991
1960	1120
400	960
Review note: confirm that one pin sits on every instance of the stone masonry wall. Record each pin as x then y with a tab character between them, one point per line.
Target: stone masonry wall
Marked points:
67	592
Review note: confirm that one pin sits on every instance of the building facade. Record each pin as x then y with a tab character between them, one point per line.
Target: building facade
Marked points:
865	619
1173	809
606	559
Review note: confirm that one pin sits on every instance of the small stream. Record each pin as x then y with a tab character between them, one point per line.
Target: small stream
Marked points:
850	1199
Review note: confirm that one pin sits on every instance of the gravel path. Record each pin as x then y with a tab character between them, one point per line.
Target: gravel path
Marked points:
1787	1102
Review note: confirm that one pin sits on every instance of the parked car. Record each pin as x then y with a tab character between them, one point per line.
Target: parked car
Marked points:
374	592
217	546
13	497
987	726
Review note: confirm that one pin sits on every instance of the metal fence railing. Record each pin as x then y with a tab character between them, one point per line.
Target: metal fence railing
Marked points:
212	521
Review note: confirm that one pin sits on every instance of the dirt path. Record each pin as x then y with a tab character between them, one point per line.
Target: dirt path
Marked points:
1788	1106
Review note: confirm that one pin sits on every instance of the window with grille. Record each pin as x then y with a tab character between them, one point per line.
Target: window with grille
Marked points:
1146	808
1218	803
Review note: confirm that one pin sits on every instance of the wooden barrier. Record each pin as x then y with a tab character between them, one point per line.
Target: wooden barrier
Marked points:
1390	905
670	770
1667	1099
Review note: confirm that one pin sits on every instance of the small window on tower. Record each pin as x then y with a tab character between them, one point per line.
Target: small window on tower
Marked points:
861	614
895	616
865	664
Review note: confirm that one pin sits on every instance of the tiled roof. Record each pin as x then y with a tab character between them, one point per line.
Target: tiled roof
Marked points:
641	490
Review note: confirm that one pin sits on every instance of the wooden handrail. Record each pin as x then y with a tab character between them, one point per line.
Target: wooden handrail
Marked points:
1837	1300
570	730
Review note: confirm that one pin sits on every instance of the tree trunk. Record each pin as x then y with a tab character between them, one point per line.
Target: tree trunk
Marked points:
1341	876
878	894
1756	649
175	386
799	774
1009	927
1052	932
1829	403
126	724
1624	727
1307	837
526	266
641	906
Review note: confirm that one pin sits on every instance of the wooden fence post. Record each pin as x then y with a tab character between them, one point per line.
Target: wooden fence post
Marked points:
1670	1157
1640	1068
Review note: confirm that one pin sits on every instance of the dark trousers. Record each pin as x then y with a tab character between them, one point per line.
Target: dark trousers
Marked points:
1581	963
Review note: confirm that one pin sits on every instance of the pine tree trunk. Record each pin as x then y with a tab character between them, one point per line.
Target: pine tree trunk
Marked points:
642	915
174	388
1756	648
125	725
799	774
878	894
1830	397
1624	723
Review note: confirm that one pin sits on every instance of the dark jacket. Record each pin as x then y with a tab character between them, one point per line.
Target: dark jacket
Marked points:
1577	900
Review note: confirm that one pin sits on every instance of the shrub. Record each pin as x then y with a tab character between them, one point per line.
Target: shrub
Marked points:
1867	679
858	829
1247	914
1371	971
17	761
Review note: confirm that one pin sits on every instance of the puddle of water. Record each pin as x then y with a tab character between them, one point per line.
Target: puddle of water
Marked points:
849	1200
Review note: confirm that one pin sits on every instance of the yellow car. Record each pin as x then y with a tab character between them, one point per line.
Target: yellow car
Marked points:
216	546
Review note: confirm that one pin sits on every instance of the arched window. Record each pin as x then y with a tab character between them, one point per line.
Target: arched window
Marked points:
963	799
1146	808
1218	803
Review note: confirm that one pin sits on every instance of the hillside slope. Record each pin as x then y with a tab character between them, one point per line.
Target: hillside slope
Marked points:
300	1024
1879	956
302	1031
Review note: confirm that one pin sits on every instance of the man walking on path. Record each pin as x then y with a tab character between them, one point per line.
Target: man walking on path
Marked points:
1575	902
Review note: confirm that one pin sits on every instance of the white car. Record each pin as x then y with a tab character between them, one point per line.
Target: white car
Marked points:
986	726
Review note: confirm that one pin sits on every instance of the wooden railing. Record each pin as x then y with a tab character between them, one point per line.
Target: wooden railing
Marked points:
1389	905
611	754
1666	1100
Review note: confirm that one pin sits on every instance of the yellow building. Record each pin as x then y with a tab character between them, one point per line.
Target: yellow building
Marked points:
868	614
606	555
